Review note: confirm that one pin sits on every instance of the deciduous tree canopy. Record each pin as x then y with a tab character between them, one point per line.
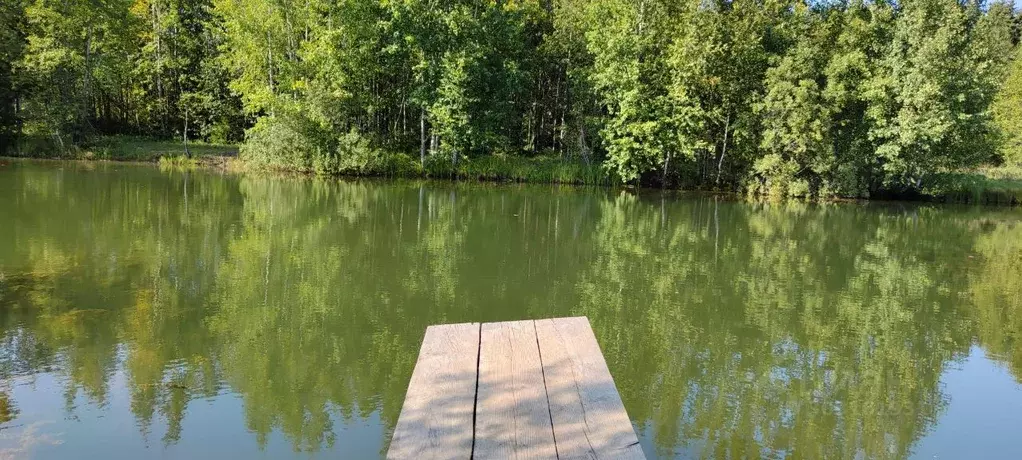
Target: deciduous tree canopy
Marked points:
784	97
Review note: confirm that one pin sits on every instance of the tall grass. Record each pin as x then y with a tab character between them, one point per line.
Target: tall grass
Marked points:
546	169
990	185
503	168
121	148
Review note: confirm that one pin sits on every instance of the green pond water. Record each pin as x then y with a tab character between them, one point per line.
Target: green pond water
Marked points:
169	314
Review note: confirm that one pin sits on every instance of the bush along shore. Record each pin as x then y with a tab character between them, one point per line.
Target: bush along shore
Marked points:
174	154
989	185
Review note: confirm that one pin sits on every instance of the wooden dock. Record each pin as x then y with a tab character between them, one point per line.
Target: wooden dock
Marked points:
520	389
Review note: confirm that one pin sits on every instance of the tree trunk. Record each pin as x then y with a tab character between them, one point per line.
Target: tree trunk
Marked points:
188	154
158	38
667	165
60	140
269	61
723	151
422	138
86	90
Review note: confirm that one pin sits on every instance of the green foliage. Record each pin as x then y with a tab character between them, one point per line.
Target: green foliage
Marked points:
797	142
145	67
778	97
127	148
449	114
927	115
648	123
1000	185
12	44
179	162
722	61
544	169
77	52
288	142
1007	110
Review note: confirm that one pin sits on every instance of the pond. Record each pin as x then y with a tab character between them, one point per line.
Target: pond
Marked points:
149	313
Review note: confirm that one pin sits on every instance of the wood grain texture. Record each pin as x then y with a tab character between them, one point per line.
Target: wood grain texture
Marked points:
436	419
512	414
589	420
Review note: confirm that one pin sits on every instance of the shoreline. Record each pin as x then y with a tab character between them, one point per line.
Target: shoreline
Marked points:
988	186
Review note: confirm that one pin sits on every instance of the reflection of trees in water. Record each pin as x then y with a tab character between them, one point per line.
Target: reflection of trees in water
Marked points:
8	411
996	292
111	270
820	331
731	329
303	329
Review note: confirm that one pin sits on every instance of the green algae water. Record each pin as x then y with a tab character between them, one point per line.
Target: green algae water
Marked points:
170	314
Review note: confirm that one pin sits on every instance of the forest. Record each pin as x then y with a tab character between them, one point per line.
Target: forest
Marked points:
778	97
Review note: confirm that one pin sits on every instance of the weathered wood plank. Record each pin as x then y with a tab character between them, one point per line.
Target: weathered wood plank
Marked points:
589	419
436	419
512	414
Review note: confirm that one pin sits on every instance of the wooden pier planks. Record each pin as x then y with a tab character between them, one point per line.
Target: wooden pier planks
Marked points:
436	419
512	415
519	389
588	416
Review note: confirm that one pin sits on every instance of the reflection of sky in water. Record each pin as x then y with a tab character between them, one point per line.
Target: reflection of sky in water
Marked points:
983	415
212	428
985	409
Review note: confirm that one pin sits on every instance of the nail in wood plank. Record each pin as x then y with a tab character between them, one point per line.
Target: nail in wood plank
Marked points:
589	419
512	415
436	419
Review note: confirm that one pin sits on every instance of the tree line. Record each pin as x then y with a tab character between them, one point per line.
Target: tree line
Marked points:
846	98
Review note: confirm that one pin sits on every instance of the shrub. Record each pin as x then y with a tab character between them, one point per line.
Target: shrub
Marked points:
289	142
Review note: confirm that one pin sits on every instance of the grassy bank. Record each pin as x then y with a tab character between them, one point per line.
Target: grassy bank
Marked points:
541	169
497	168
124	148
358	159
989	185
